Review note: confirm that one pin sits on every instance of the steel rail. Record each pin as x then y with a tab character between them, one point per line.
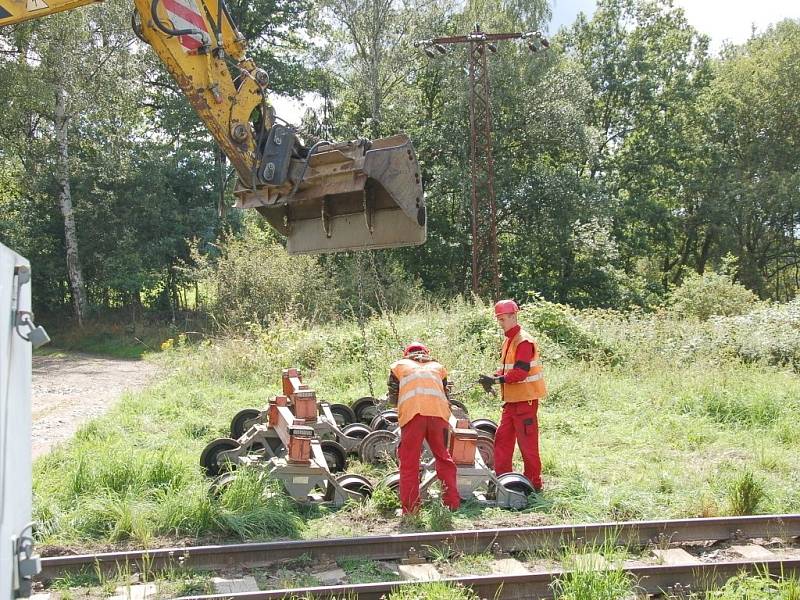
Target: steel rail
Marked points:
537	586
515	539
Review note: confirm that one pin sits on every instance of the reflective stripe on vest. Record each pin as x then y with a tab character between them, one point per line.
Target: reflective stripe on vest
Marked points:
420	375
421	390
530	388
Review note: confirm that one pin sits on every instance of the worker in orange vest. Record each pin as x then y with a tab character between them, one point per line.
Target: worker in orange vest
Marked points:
417	385
521	387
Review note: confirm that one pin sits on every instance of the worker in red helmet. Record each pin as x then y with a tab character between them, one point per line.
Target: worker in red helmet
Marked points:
521	387
418	387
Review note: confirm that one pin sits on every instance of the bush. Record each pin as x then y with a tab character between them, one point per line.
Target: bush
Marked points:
769	334
709	294
559	324
254	278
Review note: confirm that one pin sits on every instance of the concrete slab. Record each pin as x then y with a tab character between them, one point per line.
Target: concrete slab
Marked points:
331	577
389	566
423	572
135	592
591	561
233	586
675	556
509	566
754	552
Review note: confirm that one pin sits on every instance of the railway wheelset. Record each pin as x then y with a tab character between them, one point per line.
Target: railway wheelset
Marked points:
304	444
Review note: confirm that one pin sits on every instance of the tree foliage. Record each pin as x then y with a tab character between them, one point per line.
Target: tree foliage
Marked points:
627	156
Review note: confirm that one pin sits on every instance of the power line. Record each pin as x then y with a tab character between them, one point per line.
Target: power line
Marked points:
483	201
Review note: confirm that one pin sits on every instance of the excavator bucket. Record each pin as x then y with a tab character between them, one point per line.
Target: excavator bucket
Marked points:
345	196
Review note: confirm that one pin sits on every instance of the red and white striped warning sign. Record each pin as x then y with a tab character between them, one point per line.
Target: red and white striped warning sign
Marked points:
185	14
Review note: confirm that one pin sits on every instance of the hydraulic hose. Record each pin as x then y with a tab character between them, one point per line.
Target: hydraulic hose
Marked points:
176	32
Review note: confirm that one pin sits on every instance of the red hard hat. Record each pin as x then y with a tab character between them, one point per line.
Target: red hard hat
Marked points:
506	307
416	347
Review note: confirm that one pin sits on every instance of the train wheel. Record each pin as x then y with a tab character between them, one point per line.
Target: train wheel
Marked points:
357	430
392	482
385	420
221	483
238	422
485	446
365	409
356	483
208	458
485	425
343	414
335	455
516	482
377	446
458	409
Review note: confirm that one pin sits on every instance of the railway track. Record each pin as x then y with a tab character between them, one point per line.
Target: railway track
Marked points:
687	571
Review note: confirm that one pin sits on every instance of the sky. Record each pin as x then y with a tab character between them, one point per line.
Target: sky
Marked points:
722	20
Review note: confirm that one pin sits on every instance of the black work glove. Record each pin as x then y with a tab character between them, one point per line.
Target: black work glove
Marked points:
486	382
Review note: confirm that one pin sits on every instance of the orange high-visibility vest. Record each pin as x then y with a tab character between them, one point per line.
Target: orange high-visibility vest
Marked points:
421	390
530	388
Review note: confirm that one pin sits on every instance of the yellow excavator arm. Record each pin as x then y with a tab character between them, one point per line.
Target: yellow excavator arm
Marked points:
326	198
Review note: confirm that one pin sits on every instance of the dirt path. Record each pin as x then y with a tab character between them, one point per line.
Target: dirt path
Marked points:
70	389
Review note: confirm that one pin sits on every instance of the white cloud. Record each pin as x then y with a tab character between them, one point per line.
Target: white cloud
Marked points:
733	20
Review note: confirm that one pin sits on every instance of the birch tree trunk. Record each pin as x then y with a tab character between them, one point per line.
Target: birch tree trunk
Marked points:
79	301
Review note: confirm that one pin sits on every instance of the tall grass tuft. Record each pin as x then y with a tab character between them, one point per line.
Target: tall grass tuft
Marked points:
433	591
590	584
745	493
438	516
594	573
254	507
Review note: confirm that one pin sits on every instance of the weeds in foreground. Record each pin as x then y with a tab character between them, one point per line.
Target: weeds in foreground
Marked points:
758	589
440	554
385	500
753	587
438	516
433	591
594	573
745	493
592	584
472	564
366	571
191	583
83	578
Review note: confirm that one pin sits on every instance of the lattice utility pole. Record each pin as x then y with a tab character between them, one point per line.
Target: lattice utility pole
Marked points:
484	206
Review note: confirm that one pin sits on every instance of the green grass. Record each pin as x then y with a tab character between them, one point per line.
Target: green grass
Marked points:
611	584
107	338
758	587
366	571
471	564
433	591
118	337
594	573
647	417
